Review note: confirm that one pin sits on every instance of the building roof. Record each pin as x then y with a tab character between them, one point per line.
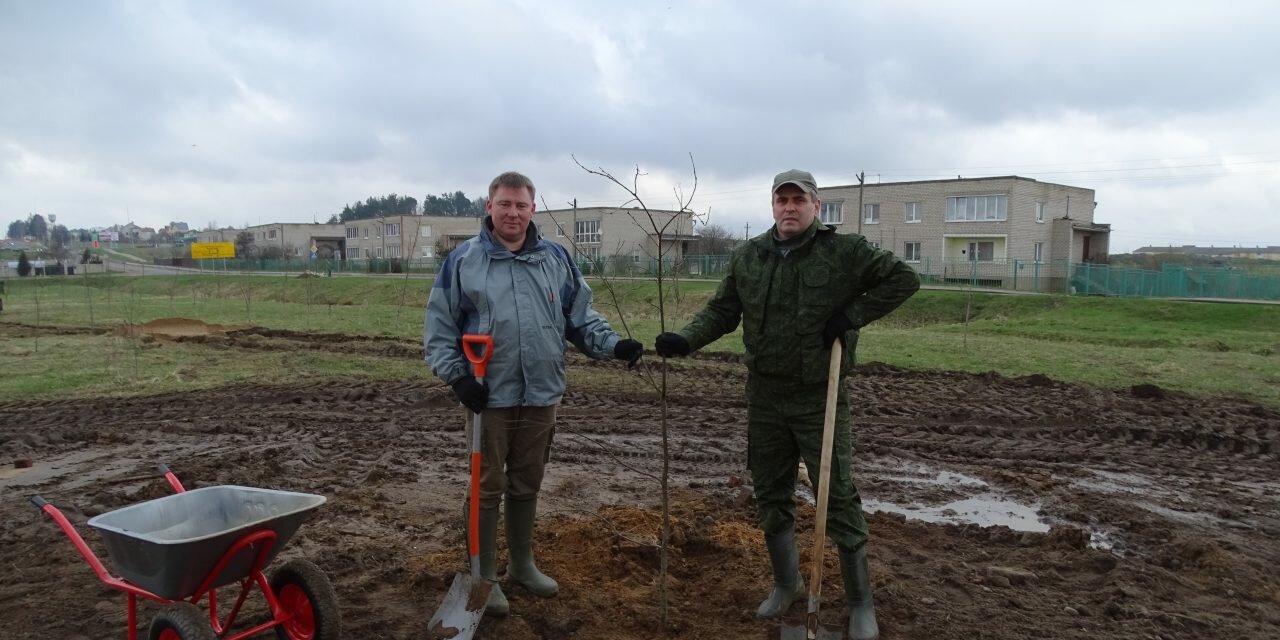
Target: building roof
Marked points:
1215	251
949	180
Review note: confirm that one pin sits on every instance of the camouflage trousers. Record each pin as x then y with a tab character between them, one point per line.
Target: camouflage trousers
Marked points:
784	426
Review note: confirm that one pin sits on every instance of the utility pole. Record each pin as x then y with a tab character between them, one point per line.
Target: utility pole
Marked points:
862	176
746	235
575	231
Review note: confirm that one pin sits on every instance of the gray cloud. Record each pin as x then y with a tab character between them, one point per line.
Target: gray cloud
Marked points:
240	111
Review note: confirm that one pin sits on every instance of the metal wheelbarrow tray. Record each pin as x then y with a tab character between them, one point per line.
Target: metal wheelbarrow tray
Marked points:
178	549
170	545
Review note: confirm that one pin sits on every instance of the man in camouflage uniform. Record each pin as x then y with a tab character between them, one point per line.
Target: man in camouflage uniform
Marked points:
797	289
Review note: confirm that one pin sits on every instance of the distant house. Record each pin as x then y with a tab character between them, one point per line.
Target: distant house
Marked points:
127	232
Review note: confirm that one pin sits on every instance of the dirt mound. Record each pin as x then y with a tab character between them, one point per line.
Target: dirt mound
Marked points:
170	328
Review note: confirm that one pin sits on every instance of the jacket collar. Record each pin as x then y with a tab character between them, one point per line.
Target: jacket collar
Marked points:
494	247
767	242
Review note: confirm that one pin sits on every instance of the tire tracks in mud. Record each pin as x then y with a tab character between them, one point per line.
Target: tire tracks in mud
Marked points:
940	415
393	456
943	417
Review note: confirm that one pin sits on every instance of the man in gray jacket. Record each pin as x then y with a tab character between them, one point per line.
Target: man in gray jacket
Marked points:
529	295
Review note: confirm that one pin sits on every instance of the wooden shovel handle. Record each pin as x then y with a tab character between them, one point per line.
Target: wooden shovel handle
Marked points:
824	474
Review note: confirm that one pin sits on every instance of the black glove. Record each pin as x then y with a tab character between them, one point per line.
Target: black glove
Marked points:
629	350
671	344
474	395
836	327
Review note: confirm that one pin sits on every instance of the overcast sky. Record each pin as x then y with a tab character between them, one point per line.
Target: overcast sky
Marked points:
240	113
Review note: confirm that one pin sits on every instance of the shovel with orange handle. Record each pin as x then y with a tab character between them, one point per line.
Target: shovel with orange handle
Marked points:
460	612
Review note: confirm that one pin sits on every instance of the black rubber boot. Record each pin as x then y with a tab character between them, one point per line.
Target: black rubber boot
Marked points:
521	568
788	585
857	592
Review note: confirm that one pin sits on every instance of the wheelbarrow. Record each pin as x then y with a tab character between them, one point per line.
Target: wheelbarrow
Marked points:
178	549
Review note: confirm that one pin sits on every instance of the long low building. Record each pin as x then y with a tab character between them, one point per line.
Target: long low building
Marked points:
591	234
1254	253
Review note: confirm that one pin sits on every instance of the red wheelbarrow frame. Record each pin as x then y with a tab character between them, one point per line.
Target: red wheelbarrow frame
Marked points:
279	614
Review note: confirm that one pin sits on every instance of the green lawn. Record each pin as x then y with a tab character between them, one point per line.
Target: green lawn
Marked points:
1206	349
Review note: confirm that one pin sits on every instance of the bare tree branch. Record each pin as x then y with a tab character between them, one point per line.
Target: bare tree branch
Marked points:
659	232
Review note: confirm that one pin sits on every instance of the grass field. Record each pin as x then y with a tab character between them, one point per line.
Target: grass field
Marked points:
1203	349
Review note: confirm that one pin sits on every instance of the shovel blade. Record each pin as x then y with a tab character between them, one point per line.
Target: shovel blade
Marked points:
461	610
799	632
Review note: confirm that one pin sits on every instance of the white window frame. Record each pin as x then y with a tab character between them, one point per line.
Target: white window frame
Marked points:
987	208
424	231
1038	253
587	232
871	213
271	234
392	229
907	253
1040	212
393	252
353	253
912	213
352	232
975	250
366	233
832	213
377	252
559	230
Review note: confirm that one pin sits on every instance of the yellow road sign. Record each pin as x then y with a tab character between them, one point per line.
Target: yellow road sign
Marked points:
202	250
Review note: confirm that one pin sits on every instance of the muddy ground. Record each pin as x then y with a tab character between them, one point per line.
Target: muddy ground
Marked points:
1000	508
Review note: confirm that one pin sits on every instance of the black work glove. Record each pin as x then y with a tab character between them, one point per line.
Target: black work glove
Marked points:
836	327
671	344
629	350
472	394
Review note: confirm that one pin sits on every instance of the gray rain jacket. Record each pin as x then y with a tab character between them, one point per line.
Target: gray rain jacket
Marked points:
530	302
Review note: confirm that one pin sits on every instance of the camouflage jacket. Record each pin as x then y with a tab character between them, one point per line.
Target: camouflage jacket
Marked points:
784	299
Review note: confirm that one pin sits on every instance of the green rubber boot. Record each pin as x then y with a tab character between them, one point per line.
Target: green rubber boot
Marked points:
857	592
788	585
520	517
497	604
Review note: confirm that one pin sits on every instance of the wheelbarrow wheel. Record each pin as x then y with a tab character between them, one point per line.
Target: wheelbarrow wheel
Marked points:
181	621
307	596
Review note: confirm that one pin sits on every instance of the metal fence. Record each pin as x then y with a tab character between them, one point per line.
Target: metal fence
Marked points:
1175	281
1172	281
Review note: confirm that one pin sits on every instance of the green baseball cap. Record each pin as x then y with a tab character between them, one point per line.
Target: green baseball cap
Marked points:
802	179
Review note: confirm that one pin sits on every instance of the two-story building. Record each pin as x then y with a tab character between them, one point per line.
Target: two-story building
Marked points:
410	237
613	237
1004	231
592	234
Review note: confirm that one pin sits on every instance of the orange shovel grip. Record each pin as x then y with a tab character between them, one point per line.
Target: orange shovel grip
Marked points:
479	362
